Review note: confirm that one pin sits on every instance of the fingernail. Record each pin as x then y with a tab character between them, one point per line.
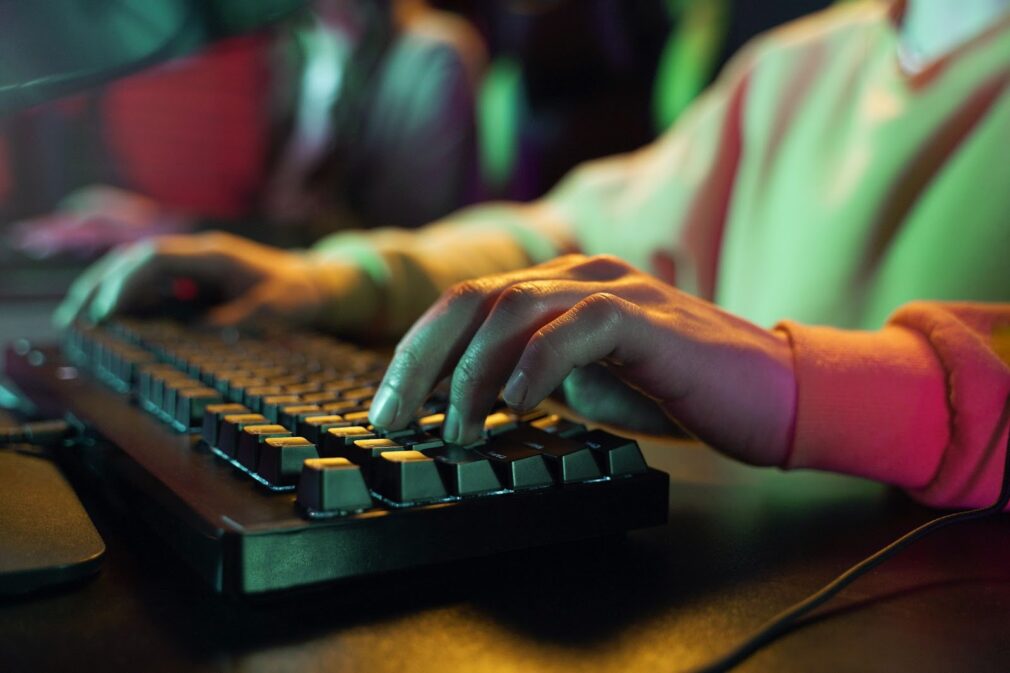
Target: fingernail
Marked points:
515	389
385	407
450	428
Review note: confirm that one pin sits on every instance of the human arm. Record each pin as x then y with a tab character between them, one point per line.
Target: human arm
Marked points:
920	404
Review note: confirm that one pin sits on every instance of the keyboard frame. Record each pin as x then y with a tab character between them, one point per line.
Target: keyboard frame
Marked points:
244	539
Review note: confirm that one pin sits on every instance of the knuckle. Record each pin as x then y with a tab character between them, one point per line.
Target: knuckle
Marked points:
604	307
605	266
520	298
464	292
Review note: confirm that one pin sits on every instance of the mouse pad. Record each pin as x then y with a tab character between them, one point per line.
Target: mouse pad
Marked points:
46	537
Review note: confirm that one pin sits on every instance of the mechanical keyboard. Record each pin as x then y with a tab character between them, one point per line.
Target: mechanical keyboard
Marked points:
252	453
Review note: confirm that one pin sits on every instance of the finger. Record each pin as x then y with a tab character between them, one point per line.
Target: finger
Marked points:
600	327
436	341
496	346
83	290
594	392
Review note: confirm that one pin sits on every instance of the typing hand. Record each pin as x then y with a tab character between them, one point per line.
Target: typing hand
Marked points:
724	379
252	281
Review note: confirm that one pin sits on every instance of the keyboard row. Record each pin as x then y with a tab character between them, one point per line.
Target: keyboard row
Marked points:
293	414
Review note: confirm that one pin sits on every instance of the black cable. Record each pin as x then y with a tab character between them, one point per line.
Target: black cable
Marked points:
786	620
40	432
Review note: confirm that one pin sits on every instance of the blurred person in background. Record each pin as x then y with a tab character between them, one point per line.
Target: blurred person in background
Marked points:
348	114
807	270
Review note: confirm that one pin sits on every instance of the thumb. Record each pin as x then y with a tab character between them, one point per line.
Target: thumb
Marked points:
594	392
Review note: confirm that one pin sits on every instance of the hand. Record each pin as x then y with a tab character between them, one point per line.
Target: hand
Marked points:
724	379
254	281
93	220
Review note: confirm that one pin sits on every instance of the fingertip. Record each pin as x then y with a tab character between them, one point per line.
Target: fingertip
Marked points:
516	389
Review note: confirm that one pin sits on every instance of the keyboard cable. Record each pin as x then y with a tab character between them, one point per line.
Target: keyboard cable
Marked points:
789	619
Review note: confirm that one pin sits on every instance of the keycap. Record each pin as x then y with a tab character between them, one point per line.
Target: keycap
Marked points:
431	422
517	466
556	425
319	398
358	394
313	427
464	471
358	417
342	407
250	439
190	403
337	440
289	415
419	441
230	427
332	485
281	458
253	397
145	378
568	460
170	393
302	388
499	422
212	415
407	476
364	451
615	455
270	406
160	380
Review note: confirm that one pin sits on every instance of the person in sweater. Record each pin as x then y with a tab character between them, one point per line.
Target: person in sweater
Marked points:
809	270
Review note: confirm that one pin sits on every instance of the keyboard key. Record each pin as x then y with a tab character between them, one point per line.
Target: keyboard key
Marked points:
230	427
170	393
342	407
407	476
431	422
323	397
332	485
252	437
499	422
464	471
616	456
517	466
253	397
212	415
556	425
289	415
337	440
357	417
190	403
419	441
314	427
568	461
281	458
364	451
270	406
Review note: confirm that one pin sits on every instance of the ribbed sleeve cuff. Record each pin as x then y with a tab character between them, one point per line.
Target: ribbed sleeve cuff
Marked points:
871	404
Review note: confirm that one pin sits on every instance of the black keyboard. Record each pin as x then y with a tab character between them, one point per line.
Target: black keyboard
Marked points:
253	454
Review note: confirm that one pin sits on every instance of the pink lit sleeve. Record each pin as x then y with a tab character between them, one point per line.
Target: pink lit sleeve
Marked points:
921	404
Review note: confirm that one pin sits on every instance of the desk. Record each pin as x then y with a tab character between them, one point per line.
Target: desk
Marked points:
741	544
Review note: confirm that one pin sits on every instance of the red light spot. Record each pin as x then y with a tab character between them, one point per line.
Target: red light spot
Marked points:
185	289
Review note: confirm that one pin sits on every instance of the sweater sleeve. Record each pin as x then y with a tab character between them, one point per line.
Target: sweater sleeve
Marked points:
923	404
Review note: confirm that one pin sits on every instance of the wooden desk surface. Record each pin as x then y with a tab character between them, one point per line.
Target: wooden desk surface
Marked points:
741	544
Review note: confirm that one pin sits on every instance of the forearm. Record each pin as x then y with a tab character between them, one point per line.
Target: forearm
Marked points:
406	270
